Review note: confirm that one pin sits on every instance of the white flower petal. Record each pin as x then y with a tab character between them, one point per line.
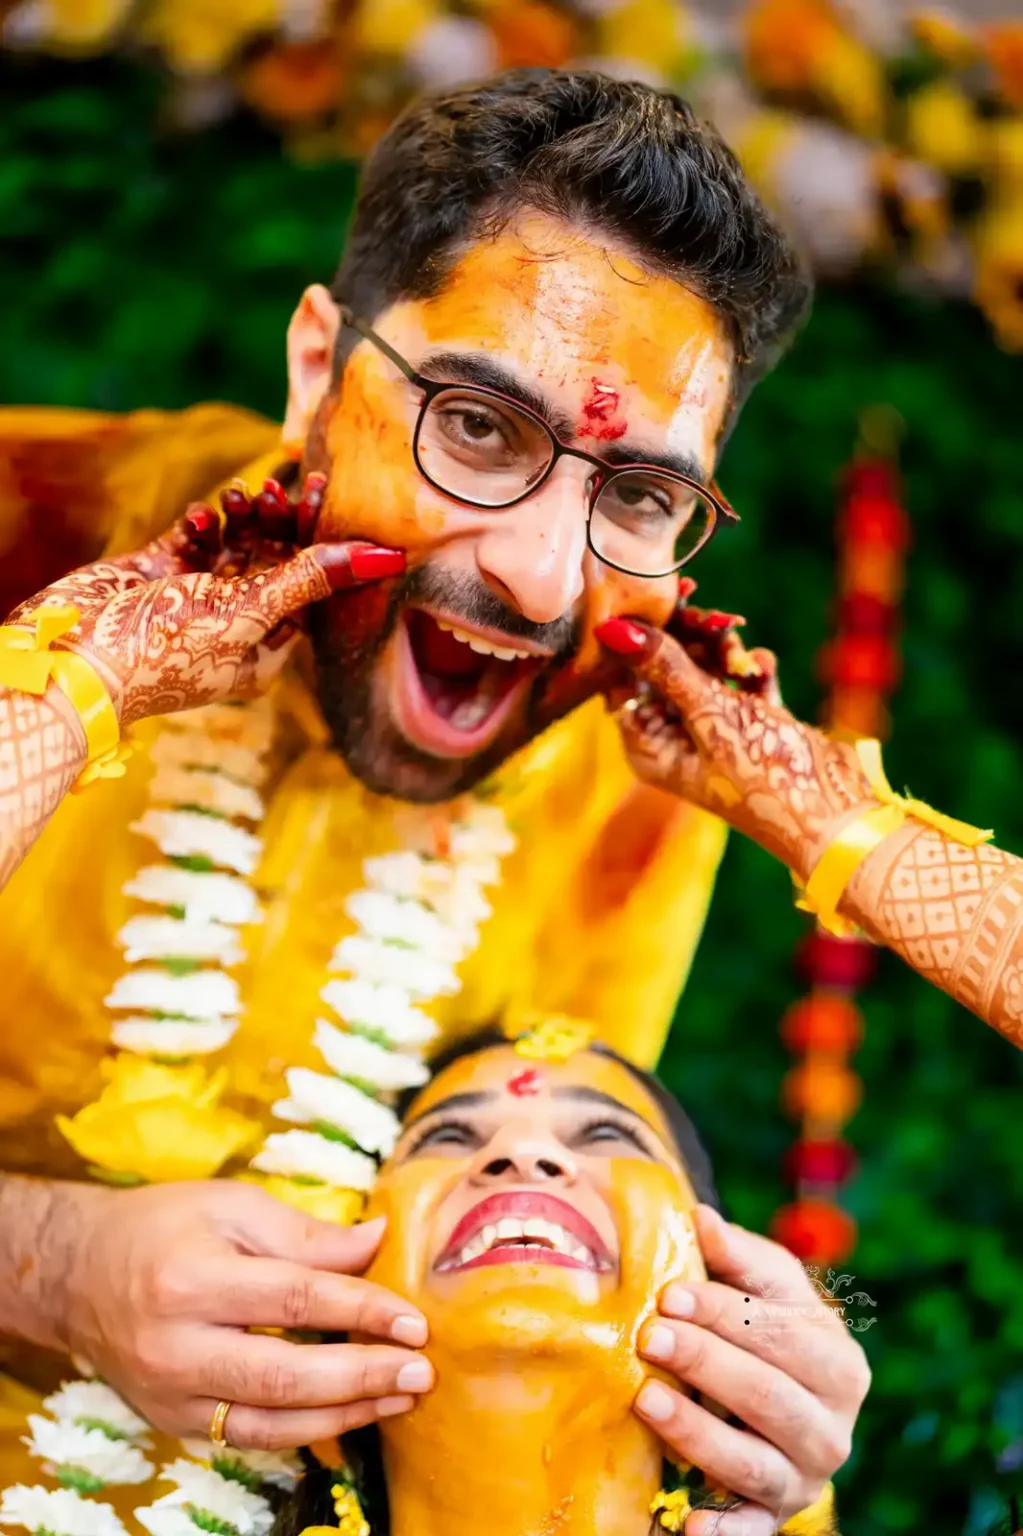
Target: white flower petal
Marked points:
190	750
354	1056
201	786
307	1155
223	897
408	874
381	1008
165	938
383	916
277	1468
163	1519
94	1400
252	723
60	1443
189	834
315	1097
202	995
60	1510
198	1485
172	1037
420	975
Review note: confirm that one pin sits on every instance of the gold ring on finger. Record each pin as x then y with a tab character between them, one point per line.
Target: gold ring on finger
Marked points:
217	1423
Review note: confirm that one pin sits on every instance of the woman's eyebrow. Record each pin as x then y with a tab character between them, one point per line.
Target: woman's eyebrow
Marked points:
453	1101
585	1095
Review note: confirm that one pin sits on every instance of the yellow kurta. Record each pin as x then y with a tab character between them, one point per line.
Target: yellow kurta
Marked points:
598	914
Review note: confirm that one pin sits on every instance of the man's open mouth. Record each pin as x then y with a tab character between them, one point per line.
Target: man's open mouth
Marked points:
523	1227
454	688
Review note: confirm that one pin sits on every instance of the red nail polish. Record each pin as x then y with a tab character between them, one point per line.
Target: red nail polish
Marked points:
274	491
686	588
622	636
372	563
236	503
308	510
204	526
714	618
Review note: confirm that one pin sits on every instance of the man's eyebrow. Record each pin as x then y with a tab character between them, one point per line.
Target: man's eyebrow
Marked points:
622	452
453	1101
475	368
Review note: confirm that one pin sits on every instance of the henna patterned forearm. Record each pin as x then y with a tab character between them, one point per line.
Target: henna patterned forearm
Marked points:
954	914
42	751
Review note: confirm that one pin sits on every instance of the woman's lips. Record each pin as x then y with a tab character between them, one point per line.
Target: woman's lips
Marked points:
525	1227
490	696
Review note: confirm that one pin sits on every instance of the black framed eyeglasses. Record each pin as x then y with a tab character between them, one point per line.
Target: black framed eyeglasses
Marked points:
485	450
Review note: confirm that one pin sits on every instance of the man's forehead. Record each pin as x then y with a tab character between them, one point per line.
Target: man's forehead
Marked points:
571	312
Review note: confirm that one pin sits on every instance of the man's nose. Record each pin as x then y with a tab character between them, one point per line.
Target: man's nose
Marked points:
515	1157
532	555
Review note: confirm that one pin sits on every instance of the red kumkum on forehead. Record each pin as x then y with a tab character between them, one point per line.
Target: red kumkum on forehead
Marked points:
600	409
525	1085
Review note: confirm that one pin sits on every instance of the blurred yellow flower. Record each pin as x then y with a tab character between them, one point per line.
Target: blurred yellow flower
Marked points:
80	26
391	26
294	82
942	128
944	36
530	33
800	48
156	1123
342	1206
998	286
655	32
201	36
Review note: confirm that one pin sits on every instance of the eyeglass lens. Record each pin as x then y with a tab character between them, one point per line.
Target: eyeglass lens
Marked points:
485	452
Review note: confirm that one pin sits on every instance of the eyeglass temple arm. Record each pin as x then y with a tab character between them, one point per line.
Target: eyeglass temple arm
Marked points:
347	318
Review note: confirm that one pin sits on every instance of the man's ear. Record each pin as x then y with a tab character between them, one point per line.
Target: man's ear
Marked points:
311	337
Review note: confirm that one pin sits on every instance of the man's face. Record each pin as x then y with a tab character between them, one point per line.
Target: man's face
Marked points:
420	699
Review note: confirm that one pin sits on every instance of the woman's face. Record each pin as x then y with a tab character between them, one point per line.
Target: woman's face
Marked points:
535	1207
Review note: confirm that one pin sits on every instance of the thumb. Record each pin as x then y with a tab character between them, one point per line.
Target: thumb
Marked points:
311	575
278	1231
658	659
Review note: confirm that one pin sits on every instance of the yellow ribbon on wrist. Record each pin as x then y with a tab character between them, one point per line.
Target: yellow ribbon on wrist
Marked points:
845	853
29	664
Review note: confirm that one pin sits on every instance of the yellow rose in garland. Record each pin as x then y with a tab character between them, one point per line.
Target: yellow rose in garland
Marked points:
153	1123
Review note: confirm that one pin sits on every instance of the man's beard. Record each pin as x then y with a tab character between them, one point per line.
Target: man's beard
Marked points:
346	665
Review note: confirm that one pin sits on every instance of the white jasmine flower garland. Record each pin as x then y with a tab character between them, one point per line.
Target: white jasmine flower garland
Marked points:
58	1512
85	1459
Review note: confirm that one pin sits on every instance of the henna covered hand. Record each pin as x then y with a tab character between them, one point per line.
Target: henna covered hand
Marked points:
197	616
726	741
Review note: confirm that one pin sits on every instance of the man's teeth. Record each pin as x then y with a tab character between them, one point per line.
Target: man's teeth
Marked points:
533	1233
502	652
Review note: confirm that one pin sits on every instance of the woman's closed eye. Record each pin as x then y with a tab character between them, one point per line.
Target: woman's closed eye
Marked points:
609	1132
446	1136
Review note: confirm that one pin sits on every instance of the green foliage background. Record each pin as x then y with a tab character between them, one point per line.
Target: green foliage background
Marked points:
140	269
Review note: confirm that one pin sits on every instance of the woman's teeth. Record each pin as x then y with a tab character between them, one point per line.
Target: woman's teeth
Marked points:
483	647
532	1233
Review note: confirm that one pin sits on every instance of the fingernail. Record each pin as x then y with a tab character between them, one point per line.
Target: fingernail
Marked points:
622	636
686	588
658	1342
204	525
677	1301
274	491
655	1402
373	563
711	620
387	1407
417	1376
236	503
410	1330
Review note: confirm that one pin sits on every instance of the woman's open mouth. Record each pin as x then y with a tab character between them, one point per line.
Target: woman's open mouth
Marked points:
454	688
523	1227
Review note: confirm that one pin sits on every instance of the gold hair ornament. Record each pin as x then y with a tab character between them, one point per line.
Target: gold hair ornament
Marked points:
29	664
351	1520
845	853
